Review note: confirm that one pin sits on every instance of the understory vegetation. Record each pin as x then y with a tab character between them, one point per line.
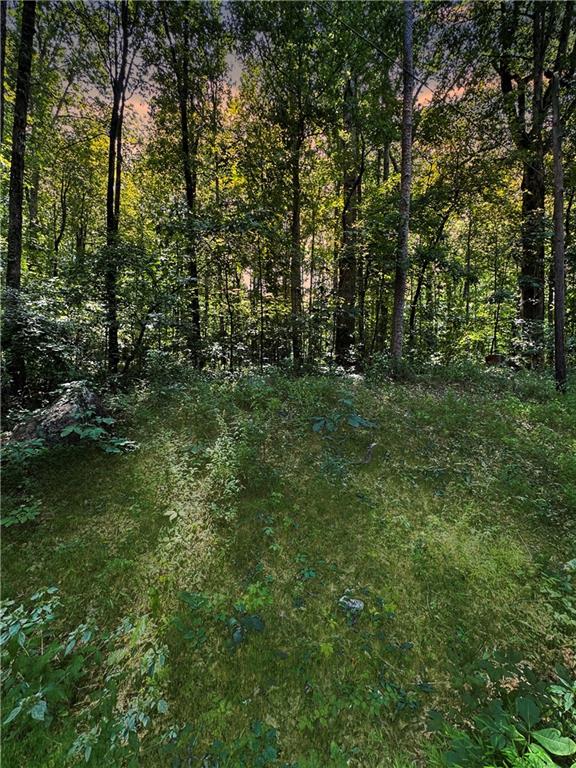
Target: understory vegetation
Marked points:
289	409
314	571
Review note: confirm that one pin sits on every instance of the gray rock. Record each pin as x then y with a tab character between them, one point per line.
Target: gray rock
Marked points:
49	422
352	605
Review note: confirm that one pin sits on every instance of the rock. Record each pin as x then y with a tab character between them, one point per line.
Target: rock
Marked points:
352	605
49	422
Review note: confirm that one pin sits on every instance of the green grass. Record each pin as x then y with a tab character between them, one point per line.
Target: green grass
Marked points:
468	498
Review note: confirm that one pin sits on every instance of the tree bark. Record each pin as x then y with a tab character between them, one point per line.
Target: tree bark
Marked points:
296	255
532	265
111	267
559	266
3	4
189	147
405	188
113	190
12	342
347	266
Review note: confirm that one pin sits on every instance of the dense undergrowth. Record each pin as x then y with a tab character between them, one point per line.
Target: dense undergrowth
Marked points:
179	605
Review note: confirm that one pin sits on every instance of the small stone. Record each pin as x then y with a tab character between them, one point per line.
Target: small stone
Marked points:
351	605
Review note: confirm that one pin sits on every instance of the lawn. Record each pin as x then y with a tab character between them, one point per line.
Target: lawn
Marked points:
223	546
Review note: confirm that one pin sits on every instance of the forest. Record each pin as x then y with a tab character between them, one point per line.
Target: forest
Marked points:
289	404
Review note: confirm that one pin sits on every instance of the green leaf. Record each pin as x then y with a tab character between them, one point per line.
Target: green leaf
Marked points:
552	740
38	711
13	715
541	758
527	709
355	420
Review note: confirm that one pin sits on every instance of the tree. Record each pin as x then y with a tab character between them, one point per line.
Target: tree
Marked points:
558	246
527	104
405	186
189	60
282	38
3	5
113	27
16	194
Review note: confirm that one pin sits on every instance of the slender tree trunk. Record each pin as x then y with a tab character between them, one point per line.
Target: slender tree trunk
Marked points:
190	182
189	148
111	268
113	190
347	266
468	264
494	342
559	266
414	303
12	342
3	5
532	265
296	257
405	188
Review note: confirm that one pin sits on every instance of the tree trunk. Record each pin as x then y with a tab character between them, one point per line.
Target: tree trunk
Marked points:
466	291
3	4
559	266
190	182
111	268
414	303
296	257
113	190
189	148
532	265
347	267
12	343
405	188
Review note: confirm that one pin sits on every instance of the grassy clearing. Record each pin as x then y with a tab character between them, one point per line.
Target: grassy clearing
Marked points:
233	498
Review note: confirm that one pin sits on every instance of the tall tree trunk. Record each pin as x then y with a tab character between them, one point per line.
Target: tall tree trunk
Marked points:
405	188
189	149
296	256
113	190
3	5
347	267
467	277
111	267
532	264
559	266
190	182
12	342
414	303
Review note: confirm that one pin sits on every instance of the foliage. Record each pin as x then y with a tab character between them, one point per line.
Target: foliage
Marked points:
449	509
517	719
45	670
88	426
530	726
19	452
21	515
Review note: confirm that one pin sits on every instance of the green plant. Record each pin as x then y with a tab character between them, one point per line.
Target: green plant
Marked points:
523	722
43	670
91	427
40	669
19	452
346	414
23	514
